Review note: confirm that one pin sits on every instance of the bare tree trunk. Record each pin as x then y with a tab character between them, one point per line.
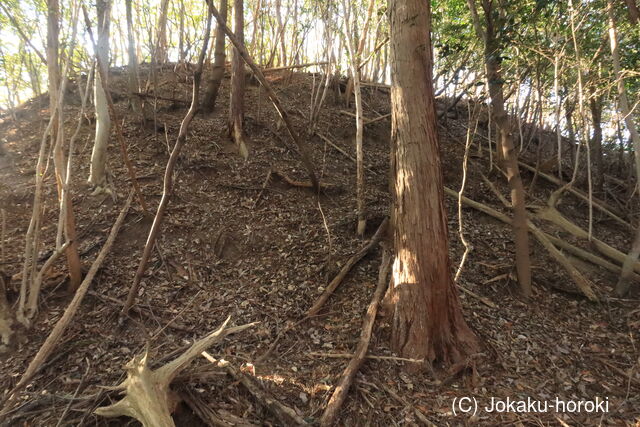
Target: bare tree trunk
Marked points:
624	283
53	66
161	53
97	174
510	160
360	49
132	78
217	73
354	65
428	321
236	107
282	33
596	142
53	29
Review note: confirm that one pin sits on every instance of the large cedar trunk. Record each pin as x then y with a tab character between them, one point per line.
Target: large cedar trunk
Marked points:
217	73
427	321
236	109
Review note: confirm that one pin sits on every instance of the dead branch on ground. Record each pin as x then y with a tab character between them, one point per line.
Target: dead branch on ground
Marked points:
347	267
286	415
581	282
340	393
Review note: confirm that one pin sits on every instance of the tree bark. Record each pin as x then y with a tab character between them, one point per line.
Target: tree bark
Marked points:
97	174
161	53
595	105
236	107
623	283
132	77
509	156
427	322
217	73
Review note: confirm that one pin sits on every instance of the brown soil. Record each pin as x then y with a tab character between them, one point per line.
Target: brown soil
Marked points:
219	256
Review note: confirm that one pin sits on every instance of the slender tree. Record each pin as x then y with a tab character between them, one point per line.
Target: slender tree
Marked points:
217	72
162	52
634	12
132	75
236	107
97	175
427	321
492	55
624	283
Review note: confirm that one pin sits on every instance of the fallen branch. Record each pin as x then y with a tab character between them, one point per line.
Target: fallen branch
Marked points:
206	413
340	393
161	98
598	204
292	67
480	298
365	120
52	340
554	216
588	256
147	394
377	237
581	282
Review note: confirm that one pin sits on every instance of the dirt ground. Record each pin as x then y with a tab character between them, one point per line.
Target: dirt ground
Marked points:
229	249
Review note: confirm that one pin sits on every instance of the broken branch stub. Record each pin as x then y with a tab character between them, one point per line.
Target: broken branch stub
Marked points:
148	397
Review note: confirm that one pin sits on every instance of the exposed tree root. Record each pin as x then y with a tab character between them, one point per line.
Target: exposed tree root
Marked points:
148	397
315	308
340	393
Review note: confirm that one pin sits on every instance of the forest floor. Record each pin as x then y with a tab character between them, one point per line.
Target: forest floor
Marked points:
226	249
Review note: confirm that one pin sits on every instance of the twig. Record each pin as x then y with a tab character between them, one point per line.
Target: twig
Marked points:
286	415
